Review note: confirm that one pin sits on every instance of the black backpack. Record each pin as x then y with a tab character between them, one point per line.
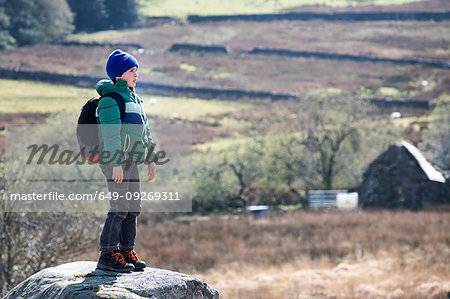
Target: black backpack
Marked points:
87	136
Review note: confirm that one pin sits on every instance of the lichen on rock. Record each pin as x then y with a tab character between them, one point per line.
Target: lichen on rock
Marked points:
82	280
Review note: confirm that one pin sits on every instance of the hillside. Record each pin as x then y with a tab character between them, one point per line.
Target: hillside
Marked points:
383	61
182	8
241	70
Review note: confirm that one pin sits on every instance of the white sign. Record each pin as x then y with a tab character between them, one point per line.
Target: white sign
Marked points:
347	201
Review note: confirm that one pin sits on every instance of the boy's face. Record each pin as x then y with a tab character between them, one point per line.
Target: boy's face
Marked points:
130	76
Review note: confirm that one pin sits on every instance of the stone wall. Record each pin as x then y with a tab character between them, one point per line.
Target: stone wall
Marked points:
185	91
334	17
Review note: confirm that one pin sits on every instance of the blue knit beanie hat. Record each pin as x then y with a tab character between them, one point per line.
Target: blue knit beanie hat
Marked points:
119	62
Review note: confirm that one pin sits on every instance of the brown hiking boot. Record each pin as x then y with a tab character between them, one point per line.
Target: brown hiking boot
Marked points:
112	260
132	258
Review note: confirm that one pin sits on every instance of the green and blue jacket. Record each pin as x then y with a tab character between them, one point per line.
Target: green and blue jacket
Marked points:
128	138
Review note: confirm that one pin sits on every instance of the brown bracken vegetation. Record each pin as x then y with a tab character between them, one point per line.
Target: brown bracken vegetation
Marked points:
409	250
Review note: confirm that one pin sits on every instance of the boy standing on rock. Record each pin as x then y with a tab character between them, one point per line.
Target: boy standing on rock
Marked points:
127	142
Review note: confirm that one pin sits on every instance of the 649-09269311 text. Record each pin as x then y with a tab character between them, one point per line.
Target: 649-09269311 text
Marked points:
97	195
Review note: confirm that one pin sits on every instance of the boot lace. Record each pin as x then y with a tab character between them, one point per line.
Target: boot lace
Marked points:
118	257
132	255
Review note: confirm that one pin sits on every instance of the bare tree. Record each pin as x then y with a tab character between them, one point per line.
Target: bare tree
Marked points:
328	143
437	139
30	242
332	133
245	169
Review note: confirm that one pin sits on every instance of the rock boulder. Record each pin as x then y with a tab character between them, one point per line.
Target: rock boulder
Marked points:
82	280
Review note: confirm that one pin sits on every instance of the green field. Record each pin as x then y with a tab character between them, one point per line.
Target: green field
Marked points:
36	97
190	108
225	7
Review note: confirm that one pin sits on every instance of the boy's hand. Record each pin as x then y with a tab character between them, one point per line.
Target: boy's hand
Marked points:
151	171
117	174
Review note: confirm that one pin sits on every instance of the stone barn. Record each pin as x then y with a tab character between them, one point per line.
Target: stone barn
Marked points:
401	177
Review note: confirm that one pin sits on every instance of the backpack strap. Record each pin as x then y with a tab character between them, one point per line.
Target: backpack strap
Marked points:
119	100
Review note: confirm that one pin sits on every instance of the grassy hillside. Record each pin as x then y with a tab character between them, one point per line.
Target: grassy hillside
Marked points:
211	119
428	40
35	97
225	7
221	125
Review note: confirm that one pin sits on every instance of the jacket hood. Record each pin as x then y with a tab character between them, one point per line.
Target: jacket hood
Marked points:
105	86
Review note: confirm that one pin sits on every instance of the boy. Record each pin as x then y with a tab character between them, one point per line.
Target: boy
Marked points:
128	141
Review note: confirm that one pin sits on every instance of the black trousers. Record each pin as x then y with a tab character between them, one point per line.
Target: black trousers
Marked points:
119	231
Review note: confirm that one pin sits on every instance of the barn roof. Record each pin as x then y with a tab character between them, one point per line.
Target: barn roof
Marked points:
428	169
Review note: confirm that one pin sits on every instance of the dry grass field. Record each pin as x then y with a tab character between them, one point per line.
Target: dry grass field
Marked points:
379	276
377	254
310	255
